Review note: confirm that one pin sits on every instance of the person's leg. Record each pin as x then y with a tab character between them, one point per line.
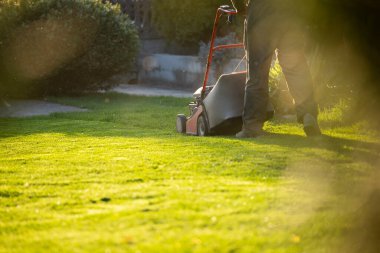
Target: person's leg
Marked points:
294	66
259	50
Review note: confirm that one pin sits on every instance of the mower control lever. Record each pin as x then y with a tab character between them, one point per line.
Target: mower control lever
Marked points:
226	9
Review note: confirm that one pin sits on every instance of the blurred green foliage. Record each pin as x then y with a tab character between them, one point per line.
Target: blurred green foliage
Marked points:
344	53
62	46
186	22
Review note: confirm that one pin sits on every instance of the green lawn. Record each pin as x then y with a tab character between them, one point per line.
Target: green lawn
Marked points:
120	179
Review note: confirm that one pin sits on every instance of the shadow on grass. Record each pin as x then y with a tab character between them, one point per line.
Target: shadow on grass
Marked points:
360	150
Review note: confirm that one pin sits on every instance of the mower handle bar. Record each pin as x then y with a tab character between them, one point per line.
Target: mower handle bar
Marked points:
240	45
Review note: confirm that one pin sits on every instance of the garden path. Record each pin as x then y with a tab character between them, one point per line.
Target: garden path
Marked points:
28	108
144	90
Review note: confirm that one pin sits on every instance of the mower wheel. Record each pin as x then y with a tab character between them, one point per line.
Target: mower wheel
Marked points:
181	123
202	128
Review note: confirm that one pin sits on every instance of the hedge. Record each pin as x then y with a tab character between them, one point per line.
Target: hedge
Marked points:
50	47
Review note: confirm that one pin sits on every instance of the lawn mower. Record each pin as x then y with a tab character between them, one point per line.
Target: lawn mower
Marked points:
217	109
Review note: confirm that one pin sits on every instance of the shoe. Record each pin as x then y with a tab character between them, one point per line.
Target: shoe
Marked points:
310	126
243	134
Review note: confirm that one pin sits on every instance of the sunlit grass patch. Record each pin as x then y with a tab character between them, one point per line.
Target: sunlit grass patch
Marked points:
119	178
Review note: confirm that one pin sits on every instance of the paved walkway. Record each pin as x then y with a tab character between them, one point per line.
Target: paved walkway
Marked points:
141	90
28	108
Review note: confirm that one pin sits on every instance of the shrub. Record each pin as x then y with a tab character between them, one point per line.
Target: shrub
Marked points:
63	46
186	22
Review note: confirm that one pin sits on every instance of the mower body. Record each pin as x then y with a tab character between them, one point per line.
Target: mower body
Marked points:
222	107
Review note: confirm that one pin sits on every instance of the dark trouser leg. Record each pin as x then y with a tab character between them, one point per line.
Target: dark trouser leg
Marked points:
259	55
297	74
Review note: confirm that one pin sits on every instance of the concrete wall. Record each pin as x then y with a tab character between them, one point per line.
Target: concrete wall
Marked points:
183	72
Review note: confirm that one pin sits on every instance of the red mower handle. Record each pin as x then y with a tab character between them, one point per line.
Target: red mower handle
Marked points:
222	10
